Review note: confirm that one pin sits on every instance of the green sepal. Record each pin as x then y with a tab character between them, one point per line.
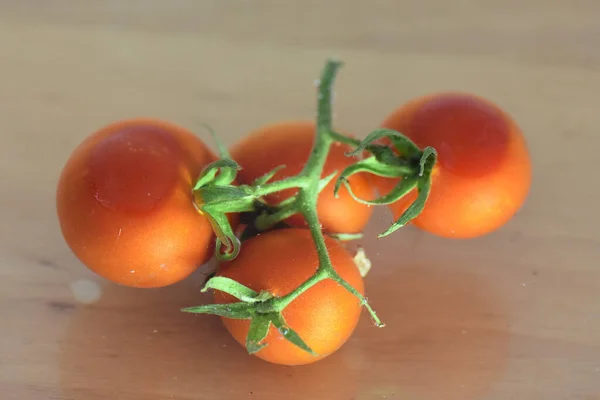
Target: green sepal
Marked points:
403	144
223	152
373	166
261	180
289	334
207	175
226	198
427	162
404	186
258	331
262	297
387	156
229	286
216	202
236	289
226	166
228	171
325	181
239	310
345	237
227	243
229	168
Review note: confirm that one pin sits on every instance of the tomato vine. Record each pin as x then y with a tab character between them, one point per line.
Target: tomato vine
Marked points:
217	196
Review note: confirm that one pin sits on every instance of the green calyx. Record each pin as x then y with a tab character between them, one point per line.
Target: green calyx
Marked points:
216	196
262	309
414	168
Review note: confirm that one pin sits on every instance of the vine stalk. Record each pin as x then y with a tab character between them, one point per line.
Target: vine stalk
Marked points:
217	196
307	181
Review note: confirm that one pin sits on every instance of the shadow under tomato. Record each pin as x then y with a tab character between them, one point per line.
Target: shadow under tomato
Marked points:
136	344
446	335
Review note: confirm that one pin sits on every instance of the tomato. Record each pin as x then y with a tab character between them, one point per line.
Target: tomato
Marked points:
324	316
124	202
483	174
290	144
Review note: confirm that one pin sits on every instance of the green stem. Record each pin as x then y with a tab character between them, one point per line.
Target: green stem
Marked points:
310	215
333	275
264	222
308	183
338	137
288	183
284	301
314	166
324	100
308	194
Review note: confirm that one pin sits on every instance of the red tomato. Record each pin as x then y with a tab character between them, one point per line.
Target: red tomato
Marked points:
483	174
290	144
124	201
278	262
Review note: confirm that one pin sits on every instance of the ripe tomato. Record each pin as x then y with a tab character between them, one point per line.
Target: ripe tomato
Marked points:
324	316
483	173
124	202
290	144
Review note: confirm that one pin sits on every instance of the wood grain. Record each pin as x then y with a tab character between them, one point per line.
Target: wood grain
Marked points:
514	315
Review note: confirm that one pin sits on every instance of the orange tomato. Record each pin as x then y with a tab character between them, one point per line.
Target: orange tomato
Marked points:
324	316
124	202
483	174
290	144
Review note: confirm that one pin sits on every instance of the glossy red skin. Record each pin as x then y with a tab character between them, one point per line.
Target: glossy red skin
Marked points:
290	143
125	206
324	316
483	174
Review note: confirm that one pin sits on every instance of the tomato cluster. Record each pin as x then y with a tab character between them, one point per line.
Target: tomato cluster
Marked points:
128	211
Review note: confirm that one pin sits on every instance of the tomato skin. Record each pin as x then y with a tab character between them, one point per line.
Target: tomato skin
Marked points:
483	174
324	316
289	143
124	203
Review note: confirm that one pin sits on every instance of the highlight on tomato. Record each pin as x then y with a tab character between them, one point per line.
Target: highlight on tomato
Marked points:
324	316
483	171
125	207
289	144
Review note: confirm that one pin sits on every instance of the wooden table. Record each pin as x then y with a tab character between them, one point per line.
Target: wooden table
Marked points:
513	315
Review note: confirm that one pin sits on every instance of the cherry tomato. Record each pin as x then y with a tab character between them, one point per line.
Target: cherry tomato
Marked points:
290	143
483	174
124	202
324	316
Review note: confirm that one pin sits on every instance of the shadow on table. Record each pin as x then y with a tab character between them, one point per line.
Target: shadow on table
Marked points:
446	337
136	344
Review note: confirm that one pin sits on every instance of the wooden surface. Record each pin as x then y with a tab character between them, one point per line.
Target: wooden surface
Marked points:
514	315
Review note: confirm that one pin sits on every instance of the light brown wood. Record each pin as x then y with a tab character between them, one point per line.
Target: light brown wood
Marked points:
514	315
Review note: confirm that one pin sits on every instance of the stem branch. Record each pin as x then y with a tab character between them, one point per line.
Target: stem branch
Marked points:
333	275
338	137
264	222
284	301
308	182
277	186
306	200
